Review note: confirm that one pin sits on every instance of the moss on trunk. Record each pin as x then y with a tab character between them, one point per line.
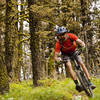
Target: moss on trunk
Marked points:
4	82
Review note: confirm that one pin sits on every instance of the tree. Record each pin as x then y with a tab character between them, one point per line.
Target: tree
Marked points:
4	82
74	14
34	46
84	7
94	52
20	37
11	37
89	16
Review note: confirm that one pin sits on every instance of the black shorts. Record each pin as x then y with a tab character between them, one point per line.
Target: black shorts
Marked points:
68	57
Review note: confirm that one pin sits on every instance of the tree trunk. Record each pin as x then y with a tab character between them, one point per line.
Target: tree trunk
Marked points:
84	18
11	37
20	37
34	46
4	83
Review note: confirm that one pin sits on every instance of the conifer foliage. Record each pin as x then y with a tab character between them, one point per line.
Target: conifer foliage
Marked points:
27	37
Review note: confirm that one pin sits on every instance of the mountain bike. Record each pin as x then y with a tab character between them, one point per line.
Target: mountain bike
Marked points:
83	80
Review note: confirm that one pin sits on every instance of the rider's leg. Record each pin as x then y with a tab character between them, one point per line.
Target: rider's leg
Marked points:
80	61
87	74
73	75
69	66
71	71
85	69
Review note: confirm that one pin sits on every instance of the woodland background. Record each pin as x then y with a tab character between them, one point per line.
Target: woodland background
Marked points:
27	38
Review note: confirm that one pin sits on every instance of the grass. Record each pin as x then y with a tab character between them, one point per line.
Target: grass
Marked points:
51	90
97	90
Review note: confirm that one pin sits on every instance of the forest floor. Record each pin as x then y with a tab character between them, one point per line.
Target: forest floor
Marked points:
50	90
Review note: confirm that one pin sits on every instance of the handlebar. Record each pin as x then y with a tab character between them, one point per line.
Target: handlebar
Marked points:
72	55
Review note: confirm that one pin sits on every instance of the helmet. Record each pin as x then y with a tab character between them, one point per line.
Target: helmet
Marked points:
61	30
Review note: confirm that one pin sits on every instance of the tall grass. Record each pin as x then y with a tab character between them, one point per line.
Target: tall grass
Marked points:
51	90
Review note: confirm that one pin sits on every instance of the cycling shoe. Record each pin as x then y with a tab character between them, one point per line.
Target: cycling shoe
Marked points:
79	88
92	85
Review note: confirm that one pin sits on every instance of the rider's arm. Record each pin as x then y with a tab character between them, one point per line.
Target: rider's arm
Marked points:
75	38
56	56
80	42
57	51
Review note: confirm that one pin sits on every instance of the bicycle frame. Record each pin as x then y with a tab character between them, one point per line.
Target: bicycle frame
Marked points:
82	78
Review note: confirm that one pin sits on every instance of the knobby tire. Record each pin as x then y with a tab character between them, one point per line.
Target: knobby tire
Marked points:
84	82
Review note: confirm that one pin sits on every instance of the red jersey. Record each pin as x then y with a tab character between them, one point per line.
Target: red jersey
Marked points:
68	46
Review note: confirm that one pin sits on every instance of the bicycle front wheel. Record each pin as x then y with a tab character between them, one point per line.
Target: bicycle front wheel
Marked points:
84	82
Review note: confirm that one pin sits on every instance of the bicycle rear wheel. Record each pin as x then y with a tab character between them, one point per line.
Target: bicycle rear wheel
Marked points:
84	82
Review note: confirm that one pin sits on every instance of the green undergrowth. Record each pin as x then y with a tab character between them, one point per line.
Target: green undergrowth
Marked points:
97	90
50	90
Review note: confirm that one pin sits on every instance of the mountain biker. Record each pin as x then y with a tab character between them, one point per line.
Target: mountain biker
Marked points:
67	47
